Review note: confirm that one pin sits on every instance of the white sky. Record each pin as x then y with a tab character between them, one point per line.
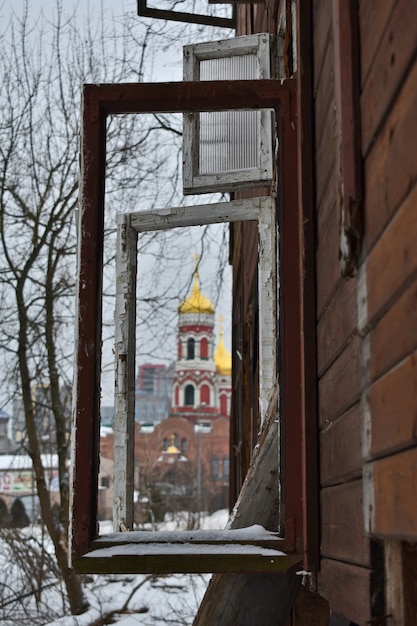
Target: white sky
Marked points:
167	65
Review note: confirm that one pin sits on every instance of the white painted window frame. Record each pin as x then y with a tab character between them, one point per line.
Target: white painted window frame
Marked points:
262	210
261	45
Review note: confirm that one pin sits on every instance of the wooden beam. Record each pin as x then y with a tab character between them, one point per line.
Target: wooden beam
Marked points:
178	217
220	95
190	18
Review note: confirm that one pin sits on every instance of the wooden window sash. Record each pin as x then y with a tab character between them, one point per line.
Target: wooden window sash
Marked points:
261	209
262	47
98	102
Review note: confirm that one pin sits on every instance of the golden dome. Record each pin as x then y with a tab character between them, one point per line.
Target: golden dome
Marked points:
196	301
172	449
223	358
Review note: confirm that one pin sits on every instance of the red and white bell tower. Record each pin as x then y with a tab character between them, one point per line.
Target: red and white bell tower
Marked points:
198	392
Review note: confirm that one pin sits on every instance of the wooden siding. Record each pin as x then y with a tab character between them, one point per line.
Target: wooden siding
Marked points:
366	327
345	575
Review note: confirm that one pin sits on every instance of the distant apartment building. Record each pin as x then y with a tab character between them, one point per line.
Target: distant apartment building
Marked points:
153	393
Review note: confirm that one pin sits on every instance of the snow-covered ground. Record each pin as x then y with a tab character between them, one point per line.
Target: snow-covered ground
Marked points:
125	600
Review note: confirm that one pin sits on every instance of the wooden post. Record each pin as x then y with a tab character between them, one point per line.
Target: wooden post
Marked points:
124	389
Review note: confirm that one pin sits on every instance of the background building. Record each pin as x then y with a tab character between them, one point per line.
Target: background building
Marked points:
181	444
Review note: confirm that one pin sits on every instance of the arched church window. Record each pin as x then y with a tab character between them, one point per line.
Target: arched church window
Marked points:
204	348
190	348
223	404
205	394
189	395
184	445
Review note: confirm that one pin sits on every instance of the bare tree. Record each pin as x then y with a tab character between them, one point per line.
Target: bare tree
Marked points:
43	66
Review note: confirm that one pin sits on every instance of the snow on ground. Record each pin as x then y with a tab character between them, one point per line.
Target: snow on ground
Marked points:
154	601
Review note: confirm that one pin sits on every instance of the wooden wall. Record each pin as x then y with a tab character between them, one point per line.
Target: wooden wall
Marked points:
366	326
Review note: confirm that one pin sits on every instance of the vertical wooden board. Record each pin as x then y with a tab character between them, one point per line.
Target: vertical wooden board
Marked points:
325	156
395	496
374	16
342	528
340	448
393	261
337	325
322	20
310	609
396	51
249	258
395	335
391	166
347	589
247	599
324	95
327	263
308	357
409	562
392	402
340	387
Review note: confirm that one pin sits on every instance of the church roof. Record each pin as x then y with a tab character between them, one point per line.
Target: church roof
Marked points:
196	302
223	358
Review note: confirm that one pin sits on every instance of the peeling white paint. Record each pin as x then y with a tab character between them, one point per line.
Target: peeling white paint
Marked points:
125	349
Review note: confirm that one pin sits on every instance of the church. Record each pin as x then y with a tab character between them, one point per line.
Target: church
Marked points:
182	463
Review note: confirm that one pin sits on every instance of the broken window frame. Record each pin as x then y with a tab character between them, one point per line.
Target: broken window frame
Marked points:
99	101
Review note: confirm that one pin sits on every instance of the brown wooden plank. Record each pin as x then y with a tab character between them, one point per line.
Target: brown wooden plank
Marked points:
322	20
325	156
395	336
340	448
396	253
391	167
342	528
327	257
86	396
189	96
349	187
337	325
395	496
258	502
244	598
308	348
389	68
347	589
324	96
310	609
392	402
340	387
373	19
291	277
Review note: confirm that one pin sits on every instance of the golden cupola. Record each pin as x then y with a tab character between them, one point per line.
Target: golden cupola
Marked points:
196	302
223	358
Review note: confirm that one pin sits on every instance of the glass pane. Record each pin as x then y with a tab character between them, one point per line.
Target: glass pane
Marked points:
228	139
